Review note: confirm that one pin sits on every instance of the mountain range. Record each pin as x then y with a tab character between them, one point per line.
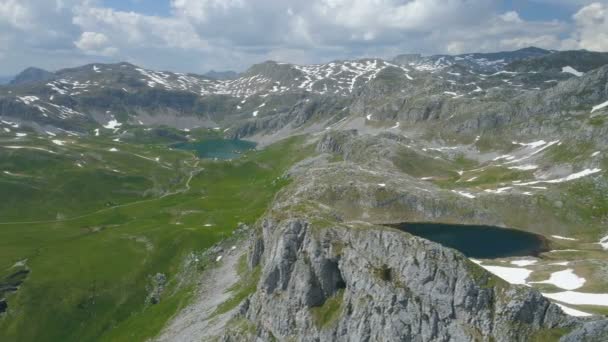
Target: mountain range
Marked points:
296	240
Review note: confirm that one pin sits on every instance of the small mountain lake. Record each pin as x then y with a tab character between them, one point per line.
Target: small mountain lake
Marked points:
217	148
484	242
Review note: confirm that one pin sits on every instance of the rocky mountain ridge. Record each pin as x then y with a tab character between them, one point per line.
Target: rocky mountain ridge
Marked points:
272	96
480	62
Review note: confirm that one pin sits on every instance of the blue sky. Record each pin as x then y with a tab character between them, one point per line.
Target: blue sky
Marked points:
529	10
200	35
149	7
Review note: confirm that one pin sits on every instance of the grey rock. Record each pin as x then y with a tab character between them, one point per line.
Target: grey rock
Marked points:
392	287
590	332
216	249
334	142
157	287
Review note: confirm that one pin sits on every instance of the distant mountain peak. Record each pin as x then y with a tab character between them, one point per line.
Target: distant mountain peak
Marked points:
533	49
478	61
31	75
222	75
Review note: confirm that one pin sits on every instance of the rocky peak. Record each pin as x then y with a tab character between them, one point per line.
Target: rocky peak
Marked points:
323	280
32	75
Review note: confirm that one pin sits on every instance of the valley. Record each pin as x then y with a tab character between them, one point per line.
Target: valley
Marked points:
128	192
104	217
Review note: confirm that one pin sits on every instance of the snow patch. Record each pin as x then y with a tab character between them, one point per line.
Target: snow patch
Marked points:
600	106
28	100
573	312
112	124
533	144
524	262
29	148
511	275
499	190
604	242
577	175
524	167
579	298
505	157
565	279
464	194
570	70
58	142
113	149
12	124
563	238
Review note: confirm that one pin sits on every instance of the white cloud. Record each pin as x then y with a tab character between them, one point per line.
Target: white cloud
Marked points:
591	31
14	13
511	17
198	35
95	43
134	29
415	15
506	31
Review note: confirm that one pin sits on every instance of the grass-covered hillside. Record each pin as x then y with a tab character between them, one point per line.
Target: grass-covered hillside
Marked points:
86	224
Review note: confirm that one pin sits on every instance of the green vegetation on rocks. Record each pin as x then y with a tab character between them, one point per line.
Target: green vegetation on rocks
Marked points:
327	313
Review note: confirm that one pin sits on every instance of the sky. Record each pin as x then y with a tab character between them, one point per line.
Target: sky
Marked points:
202	35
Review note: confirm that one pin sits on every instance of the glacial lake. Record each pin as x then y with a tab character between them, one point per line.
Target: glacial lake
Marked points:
217	148
484	242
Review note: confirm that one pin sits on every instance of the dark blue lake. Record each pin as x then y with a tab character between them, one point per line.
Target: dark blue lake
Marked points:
484	242
217	148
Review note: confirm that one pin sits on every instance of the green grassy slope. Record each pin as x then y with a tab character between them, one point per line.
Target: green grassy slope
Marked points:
91	264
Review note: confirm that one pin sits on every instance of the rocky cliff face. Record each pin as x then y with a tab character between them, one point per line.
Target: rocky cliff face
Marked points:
328	273
324	280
